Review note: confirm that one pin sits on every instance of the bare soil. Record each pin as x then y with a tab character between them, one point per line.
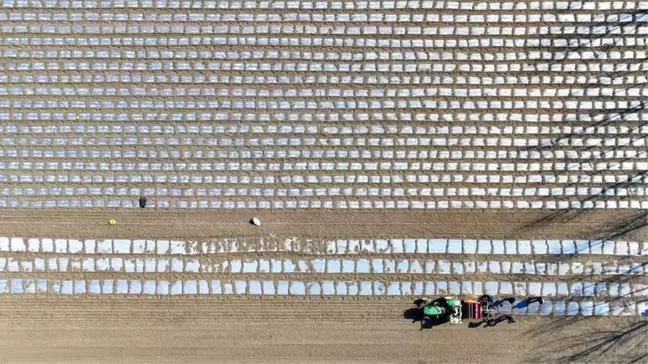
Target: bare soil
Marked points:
187	329
161	224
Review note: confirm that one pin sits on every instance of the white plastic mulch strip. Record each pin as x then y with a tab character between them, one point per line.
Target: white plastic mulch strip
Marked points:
326	247
316	203
559	307
318	266
314	104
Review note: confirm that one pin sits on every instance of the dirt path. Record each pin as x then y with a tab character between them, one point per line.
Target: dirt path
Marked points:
185	329
504	224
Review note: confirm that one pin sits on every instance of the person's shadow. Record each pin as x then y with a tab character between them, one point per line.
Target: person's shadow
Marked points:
491	323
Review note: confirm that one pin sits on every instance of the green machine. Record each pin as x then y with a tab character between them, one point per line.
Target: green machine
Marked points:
445	309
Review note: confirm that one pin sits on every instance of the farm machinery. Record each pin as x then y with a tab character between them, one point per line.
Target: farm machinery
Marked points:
446	309
485	309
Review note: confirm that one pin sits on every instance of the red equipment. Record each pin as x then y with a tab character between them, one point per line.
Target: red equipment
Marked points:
471	309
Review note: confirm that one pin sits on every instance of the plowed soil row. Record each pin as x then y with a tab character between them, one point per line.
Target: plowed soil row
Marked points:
482	224
185	329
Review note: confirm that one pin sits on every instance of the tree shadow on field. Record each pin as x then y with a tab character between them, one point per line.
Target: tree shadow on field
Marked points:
619	130
628	116
618	340
587	140
588	338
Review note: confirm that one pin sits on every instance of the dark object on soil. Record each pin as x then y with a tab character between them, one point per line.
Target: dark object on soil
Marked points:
502	318
142	202
538	299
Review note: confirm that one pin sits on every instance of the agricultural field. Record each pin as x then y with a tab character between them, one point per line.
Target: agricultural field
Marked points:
391	150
